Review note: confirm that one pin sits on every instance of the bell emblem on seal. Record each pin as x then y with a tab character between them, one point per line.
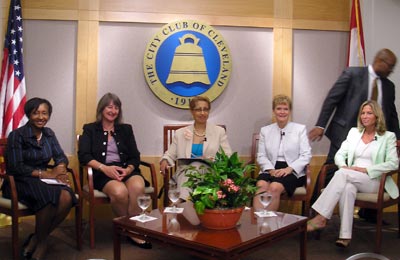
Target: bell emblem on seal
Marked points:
188	64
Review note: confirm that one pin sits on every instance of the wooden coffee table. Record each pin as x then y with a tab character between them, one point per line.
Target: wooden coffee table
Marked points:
251	233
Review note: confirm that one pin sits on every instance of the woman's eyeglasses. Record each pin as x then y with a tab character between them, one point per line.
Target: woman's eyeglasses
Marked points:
199	110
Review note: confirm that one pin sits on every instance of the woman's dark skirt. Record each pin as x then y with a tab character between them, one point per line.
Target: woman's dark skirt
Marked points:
290	182
35	194
100	179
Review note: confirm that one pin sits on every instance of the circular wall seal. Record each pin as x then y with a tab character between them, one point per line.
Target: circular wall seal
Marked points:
185	59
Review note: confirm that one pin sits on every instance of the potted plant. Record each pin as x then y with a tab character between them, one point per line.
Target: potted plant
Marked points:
221	188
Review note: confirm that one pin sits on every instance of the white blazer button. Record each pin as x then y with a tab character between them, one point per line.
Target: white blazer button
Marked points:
103	153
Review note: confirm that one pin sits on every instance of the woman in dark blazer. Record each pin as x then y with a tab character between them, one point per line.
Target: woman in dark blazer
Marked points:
109	147
29	150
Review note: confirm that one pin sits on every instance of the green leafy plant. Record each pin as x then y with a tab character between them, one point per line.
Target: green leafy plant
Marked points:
223	184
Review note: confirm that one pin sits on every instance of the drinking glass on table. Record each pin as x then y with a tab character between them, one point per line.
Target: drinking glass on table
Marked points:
173	195
265	199
173	226
143	202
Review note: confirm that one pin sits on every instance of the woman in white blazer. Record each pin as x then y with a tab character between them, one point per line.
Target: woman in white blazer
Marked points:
199	140
283	153
368	151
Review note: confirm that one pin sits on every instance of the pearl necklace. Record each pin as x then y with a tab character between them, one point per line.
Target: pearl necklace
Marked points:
40	136
197	134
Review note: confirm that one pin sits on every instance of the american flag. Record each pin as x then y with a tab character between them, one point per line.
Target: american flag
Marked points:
12	90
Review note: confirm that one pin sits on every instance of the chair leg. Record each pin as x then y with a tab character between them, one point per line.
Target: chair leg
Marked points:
78	225
154	201
398	218
166	200
378	239
15	237
91	224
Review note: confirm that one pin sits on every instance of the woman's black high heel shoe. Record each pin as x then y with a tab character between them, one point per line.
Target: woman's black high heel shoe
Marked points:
25	252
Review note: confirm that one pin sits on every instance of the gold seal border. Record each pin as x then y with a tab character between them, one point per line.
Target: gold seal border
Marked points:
150	55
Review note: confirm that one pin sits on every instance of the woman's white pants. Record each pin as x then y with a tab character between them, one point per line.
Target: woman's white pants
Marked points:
343	189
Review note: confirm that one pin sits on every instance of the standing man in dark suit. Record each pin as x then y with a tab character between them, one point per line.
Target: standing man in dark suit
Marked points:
352	88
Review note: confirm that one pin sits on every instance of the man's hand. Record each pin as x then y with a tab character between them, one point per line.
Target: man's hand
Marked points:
315	134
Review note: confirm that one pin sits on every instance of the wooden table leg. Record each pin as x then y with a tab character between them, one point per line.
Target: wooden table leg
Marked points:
303	242
117	242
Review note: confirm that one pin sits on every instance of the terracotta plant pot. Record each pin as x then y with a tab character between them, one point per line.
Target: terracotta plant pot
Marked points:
220	219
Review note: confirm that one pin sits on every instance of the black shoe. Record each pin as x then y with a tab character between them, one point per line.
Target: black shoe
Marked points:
144	245
25	253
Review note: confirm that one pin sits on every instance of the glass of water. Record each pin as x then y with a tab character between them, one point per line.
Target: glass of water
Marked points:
173	195
143	202
173	226
265	199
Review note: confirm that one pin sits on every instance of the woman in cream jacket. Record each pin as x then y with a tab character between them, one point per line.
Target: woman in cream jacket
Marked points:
200	140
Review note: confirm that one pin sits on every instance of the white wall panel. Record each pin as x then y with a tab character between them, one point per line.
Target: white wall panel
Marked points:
50	64
318	59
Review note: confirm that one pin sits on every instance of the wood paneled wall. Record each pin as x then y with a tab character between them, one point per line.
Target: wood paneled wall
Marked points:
283	16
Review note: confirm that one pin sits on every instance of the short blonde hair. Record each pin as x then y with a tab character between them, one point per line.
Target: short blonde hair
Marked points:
380	125
281	99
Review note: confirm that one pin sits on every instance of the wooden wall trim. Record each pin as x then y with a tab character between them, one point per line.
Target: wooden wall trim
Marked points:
86	73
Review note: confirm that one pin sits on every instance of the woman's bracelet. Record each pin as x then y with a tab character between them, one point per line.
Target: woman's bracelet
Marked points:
100	166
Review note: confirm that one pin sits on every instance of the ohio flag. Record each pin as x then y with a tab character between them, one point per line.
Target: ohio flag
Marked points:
356	41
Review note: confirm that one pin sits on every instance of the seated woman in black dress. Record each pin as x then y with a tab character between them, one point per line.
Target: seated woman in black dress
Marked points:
109	147
29	150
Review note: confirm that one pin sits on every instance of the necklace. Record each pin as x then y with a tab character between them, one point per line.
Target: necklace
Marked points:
111	129
197	134
40	137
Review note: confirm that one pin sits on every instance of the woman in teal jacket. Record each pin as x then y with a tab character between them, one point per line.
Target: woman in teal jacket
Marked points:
368	151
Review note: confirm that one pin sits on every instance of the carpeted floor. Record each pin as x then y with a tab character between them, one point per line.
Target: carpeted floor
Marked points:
62	244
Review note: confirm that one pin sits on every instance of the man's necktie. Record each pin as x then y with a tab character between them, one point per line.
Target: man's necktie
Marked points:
374	95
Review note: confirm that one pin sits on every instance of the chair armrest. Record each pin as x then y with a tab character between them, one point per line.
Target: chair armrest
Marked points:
153	175
166	179
381	190
75	179
13	189
88	172
308	182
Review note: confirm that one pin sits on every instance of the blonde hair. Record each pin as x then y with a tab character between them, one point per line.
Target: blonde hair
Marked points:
380	125
281	99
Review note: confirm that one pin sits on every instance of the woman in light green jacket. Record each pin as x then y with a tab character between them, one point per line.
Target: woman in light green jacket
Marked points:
368	151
